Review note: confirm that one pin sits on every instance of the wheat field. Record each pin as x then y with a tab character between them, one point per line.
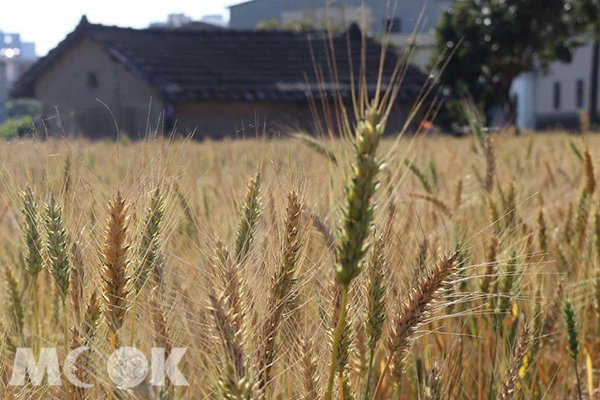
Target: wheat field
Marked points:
410	268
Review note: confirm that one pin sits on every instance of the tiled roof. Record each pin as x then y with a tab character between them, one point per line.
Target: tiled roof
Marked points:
230	64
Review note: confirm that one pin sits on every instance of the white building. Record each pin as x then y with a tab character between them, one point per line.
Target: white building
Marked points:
215	19
173	21
402	19
185	22
16	56
555	98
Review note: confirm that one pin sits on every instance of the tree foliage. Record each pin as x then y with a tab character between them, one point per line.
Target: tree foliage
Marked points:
491	42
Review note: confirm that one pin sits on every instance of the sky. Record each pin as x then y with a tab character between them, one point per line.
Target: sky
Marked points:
47	22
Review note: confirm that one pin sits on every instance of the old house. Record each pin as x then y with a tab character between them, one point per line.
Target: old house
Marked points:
102	80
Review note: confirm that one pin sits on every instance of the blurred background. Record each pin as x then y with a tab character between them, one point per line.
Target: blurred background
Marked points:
221	67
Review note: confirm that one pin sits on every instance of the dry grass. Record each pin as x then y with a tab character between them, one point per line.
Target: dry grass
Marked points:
471	240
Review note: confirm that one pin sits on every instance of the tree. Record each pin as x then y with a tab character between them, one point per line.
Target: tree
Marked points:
491	42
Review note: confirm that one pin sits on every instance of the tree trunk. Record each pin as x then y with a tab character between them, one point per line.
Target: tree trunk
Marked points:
593	105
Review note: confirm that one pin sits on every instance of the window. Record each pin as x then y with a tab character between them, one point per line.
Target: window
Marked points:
579	93
392	25
556	96
92	80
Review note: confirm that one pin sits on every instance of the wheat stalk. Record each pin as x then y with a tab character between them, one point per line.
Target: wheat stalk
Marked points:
490	163
572	334
490	269
542	233
312	143
161	330
57	248
84	335
376	312
310	376
149	248
281	290
588	168
77	280
15	309
31	235
162	339
113	271
248	219
229	337
433	386
412	312
357	219
509	389
458	194
233	284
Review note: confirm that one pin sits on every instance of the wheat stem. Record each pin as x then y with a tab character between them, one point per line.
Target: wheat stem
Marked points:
337	338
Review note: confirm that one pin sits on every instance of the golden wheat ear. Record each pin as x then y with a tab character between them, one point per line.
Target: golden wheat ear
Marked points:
433	384
412	312
149	252
59	260
310	371
77	280
113	271
89	323
83	335
249	218
233	283
162	338
489	277
230	339
282	287
356	223
510	385
32	238
161	329
16	312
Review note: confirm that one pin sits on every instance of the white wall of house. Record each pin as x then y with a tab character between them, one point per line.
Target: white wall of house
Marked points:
566	76
345	15
523	90
556	96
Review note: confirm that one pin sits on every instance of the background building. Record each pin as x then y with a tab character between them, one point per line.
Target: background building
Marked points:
16	56
402	18
215	19
185	22
208	83
557	97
